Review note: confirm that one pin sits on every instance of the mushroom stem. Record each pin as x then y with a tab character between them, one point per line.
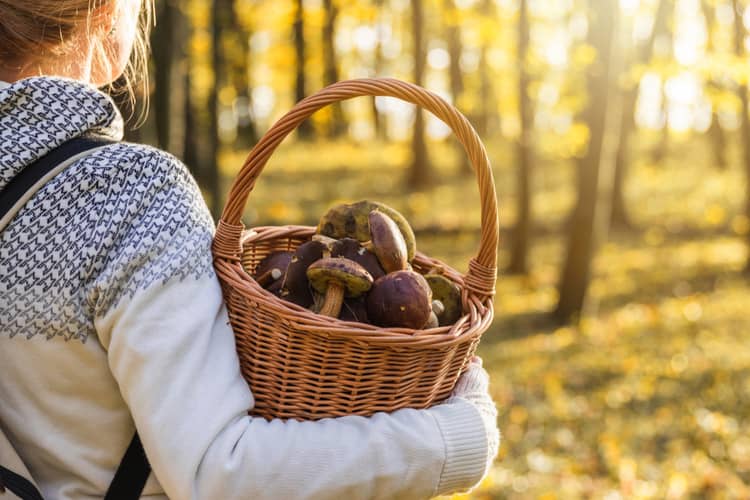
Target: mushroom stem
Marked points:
333	300
437	307
268	277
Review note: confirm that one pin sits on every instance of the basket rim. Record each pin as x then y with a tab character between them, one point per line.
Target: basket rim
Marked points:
474	322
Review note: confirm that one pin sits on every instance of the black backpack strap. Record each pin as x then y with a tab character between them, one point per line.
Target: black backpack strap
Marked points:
134	469
30	176
18	485
131	475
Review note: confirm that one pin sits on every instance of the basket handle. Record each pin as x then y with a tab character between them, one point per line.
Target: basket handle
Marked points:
482	272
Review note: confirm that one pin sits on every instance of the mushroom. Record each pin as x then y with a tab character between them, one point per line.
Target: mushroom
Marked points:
269	277
351	220
351	249
432	322
400	299
272	267
449	295
387	242
296	287
337	277
354	310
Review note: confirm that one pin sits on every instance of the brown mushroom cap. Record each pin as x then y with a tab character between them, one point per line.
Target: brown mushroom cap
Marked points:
387	242
354	310
354	278
337	277
351	220
276	260
400	299
353	250
296	287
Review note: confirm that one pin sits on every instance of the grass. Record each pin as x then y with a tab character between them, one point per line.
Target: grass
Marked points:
646	397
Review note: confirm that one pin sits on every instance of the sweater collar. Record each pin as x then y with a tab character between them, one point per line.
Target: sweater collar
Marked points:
38	114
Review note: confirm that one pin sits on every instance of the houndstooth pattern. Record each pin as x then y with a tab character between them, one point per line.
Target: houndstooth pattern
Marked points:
39	114
120	220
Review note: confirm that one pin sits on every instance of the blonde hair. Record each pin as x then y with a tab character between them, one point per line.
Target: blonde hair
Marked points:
32	27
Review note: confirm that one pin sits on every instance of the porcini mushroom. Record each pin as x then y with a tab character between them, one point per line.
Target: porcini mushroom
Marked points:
354	310
296	287
449	295
350	220
351	249
400	299
387	242
337	277
272	267
432	322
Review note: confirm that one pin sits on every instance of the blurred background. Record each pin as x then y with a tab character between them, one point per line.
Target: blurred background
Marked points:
620	140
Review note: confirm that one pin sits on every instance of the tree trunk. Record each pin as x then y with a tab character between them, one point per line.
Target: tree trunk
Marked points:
305	130
739	38
337	125
222	12
620	218
190	153
487	114
715	132
420	175
522	230
240	74
378	120
575	275
456	77
169	42
717	137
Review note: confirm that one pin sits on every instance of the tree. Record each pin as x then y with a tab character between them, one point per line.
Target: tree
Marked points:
455	50
337	125
522	230
239	65
486	98
739	39
305	130
221	16
715	132
619	217
420	174
576	270
378	120
169	41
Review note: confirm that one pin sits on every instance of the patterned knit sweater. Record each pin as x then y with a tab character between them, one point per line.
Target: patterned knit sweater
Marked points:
111	318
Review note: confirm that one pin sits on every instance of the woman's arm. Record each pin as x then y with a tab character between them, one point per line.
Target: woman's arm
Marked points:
171	350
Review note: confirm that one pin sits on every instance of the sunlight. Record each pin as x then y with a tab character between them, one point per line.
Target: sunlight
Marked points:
683	92
556	51
365	38
690	33
648	111
264	100
629	6
438	58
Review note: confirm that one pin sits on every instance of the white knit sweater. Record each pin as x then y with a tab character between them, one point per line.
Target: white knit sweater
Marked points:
111	317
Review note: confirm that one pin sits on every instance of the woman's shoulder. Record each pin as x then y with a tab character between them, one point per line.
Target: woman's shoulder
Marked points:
137	179
125	158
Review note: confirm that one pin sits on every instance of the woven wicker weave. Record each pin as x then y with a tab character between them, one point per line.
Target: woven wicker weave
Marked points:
305	366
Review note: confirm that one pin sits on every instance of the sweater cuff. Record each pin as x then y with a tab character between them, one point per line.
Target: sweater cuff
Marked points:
466	447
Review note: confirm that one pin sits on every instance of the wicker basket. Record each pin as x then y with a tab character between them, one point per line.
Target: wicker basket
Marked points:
305	366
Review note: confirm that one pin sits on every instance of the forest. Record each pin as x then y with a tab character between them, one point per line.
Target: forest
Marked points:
619	136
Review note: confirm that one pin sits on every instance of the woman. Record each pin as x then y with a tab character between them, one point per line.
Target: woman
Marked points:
111	316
